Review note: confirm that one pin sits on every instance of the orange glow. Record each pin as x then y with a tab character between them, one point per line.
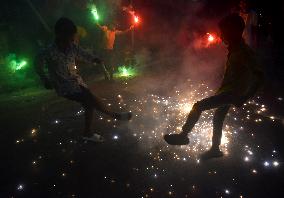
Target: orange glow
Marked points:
136	19
211	38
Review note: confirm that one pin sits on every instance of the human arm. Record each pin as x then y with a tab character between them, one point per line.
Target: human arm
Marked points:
85	56
102	27
124	31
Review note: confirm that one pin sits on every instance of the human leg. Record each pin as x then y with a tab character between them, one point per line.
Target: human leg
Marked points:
212	102
218	120
205	104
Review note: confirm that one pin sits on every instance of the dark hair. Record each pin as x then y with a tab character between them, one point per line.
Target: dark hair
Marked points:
232	24
65	27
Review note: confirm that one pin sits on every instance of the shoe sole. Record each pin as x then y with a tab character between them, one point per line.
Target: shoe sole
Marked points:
211	157
170	140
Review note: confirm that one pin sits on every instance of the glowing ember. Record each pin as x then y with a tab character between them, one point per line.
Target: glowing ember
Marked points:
129	10
124	71
168	114
94	12
210	38
136	19
157	115
14	63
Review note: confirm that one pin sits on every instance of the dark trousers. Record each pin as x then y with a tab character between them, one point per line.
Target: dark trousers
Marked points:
90	102
108	58
222	102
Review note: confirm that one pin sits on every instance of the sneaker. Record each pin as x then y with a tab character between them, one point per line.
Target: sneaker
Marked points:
94	138
212	153
176	139
123	116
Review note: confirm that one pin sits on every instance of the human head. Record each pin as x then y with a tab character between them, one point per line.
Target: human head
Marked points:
244	6
65	30
231	27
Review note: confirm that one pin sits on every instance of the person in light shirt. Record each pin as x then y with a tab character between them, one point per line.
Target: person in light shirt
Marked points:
60	59
109	36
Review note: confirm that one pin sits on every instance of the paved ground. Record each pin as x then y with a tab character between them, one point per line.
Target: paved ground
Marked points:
43	155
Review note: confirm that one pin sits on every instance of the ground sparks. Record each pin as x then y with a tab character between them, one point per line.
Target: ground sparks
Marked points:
160	115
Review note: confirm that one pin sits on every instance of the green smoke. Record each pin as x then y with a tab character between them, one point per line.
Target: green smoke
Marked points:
14	63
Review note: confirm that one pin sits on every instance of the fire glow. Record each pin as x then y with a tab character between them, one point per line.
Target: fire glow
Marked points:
136	19
212	38
168	114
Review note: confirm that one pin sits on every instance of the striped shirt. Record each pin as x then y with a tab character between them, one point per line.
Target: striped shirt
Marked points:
62	70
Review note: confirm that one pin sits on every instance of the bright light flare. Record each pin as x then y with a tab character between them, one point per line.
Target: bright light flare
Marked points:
94	12
136	19
211	38
14	63
21	64
124	71
186	108
169	113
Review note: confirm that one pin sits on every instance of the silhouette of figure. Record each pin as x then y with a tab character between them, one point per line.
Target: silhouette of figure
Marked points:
251	20
242	78
109	35
60	60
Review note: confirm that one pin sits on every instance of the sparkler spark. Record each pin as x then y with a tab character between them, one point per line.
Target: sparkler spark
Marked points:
20	65
168	114
136	19
95	13
212	38
124	71
129	9
14	63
